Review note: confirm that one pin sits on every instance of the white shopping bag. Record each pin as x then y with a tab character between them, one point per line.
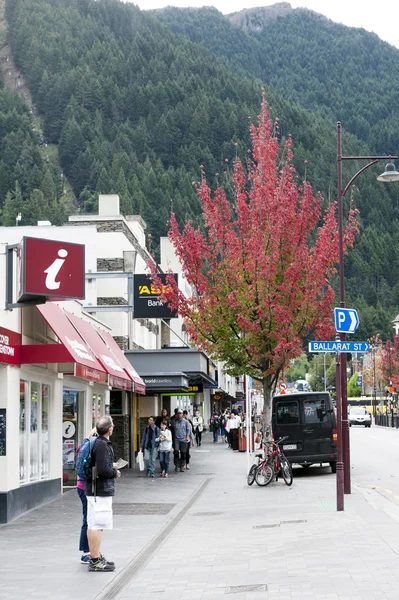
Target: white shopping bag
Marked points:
140	460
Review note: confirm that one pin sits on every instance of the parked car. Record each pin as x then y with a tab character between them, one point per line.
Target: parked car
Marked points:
359	416
309	421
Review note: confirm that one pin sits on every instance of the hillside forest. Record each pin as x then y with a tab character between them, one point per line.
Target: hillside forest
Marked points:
138	101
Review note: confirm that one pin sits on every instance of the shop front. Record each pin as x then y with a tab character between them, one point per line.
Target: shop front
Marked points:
56	376
174	378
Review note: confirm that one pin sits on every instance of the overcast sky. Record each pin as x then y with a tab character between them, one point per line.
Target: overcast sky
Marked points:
382	18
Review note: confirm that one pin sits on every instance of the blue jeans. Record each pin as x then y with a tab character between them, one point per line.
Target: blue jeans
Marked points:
216	434
164	458
150	455
83	542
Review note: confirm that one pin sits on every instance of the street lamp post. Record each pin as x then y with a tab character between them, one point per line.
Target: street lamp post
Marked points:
390	174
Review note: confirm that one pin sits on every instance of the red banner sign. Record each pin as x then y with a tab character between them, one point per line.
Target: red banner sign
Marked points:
90	374
51	269
10	343
120	383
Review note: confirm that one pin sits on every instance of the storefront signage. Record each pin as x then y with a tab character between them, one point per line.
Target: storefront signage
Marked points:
120	383
50	269
3	431
90	374
10	343
196	388
165	382
147	304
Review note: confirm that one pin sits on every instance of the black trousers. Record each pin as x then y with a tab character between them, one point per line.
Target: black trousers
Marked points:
198	436
179	453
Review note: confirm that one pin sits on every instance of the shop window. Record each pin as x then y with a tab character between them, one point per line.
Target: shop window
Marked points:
116	402
97	408
33	431
45	441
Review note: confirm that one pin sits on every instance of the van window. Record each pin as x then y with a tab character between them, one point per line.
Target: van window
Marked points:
287	412
315	410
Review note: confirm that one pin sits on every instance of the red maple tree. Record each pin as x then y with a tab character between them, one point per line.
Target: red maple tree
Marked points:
259	265
390	363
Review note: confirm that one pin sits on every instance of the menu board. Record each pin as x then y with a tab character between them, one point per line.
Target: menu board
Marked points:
3	431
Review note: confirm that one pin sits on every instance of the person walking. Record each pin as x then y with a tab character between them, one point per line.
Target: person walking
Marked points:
149	446
223	421
99	490
198	425
162	417
231	427
215	422
165	446
174	417
190	441
181	437
80	488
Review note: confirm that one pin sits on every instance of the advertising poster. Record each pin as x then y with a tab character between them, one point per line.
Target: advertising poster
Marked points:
68	453
69	404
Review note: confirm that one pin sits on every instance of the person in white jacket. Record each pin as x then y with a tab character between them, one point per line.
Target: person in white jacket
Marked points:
198	426
165	446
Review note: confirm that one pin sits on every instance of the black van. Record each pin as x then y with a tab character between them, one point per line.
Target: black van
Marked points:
309	421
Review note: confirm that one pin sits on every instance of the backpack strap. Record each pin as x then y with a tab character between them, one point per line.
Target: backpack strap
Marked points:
93	469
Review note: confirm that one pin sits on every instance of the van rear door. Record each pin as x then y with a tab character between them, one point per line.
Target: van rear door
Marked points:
318	424
287	421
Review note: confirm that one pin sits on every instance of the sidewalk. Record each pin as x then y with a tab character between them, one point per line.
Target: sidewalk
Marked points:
219	538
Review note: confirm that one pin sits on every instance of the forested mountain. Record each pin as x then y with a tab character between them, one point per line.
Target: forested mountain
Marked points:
342	73
136	103
28	184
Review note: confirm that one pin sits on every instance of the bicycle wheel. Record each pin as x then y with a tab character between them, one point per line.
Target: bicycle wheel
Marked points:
251	474
264	474
286	470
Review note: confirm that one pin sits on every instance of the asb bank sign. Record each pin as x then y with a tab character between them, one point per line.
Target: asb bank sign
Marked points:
50	269
147	304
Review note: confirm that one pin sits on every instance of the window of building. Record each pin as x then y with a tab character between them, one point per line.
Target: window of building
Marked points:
34	407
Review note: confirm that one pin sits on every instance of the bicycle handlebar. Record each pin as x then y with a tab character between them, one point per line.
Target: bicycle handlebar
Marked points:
281	440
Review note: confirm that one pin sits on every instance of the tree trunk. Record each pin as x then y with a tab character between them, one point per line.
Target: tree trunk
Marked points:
267	410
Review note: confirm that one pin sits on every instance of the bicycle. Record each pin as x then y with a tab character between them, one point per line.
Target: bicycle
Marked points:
252	470
279	461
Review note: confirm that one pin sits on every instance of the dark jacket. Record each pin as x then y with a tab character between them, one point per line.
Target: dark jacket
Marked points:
102	461
146	434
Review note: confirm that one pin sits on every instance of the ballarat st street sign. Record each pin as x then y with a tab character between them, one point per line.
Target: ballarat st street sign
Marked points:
339	346
346	320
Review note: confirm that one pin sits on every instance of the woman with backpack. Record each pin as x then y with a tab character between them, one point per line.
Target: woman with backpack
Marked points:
198	426
80	488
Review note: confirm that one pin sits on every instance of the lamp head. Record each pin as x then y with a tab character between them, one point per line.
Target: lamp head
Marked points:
390	173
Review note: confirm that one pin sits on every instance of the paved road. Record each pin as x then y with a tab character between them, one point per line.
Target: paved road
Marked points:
375	460
210	536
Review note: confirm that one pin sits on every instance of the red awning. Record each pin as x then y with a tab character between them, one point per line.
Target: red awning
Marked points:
139	385
72	347
109	360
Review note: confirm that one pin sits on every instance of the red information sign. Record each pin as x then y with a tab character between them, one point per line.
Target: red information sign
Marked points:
10	343
51	269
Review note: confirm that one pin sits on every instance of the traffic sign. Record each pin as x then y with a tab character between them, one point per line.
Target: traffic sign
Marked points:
346	320
339	347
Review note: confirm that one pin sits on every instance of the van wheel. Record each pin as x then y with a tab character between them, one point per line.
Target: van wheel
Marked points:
333	466
305	466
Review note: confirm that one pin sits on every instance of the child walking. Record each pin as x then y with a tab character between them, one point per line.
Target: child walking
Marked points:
165	446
